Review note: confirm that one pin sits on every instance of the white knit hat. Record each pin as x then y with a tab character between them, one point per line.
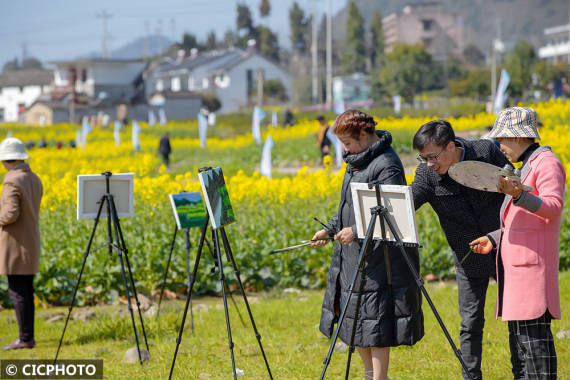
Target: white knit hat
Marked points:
515	122
12	149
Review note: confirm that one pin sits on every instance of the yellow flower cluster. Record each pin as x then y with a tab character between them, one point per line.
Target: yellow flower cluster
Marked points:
58	168
555	117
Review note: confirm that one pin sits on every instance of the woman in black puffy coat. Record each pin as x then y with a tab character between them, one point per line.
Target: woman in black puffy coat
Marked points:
386	318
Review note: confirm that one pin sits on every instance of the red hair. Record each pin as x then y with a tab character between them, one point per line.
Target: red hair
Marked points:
351	122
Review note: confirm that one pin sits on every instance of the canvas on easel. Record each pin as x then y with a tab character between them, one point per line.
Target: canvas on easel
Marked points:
216	197
91	187
188	209
399	202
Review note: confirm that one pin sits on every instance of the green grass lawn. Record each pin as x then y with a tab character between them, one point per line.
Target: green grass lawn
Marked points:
288	324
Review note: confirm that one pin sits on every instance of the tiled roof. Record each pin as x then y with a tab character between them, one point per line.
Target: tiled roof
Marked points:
27	77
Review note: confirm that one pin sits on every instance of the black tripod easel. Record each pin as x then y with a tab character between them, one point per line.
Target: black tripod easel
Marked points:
114	243
188	247
218	258
382	214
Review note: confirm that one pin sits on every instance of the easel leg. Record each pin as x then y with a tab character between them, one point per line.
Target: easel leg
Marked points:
126	252
223	284
166	271
80	274
363	251
188	248
119	250
228	288
420	283
194	273
228	250
356	315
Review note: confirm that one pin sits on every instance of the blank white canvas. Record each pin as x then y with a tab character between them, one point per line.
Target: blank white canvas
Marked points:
92	187
400	204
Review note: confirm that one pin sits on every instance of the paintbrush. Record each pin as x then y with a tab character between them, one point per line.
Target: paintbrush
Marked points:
327	238
467	255
289	248
304	243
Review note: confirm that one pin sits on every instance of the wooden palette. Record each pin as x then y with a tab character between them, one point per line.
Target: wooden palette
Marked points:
481	175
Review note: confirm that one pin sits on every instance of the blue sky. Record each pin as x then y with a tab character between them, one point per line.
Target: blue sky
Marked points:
66	29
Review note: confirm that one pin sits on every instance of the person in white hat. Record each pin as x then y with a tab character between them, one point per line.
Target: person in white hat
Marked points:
20	236
527	260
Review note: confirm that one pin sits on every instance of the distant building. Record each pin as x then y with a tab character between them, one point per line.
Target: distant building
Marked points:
230	75
351	89
179	105
557	48
440	32
46	112
19	89
98	78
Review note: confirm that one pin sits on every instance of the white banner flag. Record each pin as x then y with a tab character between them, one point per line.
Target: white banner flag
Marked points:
266	165
202	129
86	129
78	139
257	116
397	103
501	95
337	147
211	119
151	118
117	133
162	117
136	130
339	107
274	119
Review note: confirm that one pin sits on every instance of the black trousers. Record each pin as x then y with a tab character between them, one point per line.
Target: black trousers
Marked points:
165	158
472	292
533	355
21	290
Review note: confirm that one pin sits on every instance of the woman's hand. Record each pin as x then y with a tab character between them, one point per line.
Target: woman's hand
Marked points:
507	186
345	236
481	245
322	234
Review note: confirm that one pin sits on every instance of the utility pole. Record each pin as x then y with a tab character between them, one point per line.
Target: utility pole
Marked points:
329	54
159	36
24	52
260	87
173	25
314	55
494	58
147	40
104	38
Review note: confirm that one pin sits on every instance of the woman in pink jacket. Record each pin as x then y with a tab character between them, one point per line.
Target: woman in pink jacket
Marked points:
527	260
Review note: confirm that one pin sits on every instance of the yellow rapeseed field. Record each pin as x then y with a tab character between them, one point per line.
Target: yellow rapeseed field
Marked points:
58	168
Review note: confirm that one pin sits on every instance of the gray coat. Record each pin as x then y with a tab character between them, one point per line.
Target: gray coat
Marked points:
383	320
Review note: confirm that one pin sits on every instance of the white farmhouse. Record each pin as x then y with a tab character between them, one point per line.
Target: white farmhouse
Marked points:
230	75
99	78
19	89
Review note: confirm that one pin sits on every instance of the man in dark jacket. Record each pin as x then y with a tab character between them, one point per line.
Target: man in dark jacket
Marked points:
464	215
164	149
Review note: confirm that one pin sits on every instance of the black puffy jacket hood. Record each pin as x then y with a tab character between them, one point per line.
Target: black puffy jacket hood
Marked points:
362	159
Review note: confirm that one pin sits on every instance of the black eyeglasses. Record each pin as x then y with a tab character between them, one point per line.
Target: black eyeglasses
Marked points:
432	158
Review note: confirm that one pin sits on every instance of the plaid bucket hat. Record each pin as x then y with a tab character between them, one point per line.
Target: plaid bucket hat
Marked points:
515	122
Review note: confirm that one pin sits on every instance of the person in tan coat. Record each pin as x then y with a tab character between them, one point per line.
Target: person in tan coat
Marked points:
20	236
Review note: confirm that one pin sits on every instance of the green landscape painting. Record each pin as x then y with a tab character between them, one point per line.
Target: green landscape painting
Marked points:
188	209
217	197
